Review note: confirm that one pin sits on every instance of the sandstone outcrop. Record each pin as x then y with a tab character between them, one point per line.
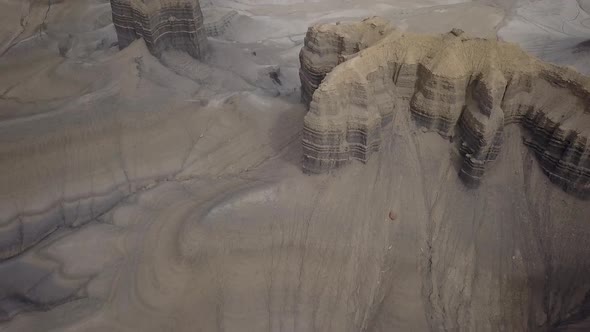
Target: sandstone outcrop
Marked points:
327	46
163	24
452	84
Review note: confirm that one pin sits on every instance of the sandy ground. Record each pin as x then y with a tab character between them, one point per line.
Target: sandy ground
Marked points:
555	31
166	194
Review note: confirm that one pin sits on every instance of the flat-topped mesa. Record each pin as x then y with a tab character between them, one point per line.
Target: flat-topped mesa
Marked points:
328	45
163	24
452	84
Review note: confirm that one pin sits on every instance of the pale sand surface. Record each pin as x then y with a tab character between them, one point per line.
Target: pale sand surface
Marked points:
167	194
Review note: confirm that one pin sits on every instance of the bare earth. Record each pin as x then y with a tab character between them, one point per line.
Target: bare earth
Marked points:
145	194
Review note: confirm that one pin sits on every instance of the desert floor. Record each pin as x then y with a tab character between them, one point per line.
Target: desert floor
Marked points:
167	194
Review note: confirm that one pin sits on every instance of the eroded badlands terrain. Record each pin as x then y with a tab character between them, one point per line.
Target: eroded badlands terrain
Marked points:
158	183
452	84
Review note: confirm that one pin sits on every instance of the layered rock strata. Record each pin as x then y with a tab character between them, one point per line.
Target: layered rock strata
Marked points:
319	57
452	84
163	24
217	22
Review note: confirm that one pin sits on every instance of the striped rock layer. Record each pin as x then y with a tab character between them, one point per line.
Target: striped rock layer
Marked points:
455	85
163	24
327	46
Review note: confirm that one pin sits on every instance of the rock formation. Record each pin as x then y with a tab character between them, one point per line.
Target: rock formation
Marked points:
163	24
217	21
452	84
327	46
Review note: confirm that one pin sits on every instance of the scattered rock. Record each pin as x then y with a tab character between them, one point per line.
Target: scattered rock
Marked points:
65	45
392	215
274	75
457	32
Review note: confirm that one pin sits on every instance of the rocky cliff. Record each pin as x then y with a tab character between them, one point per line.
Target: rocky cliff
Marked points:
319	57
455	85
163	24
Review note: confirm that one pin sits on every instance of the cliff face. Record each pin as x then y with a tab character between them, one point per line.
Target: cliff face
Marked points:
327	46
163	24
454	85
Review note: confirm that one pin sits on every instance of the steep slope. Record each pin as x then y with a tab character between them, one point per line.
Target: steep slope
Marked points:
451	84
163	24
275	250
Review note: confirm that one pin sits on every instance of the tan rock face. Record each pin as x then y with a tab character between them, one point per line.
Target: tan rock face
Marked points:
452	84
163	24
328	45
